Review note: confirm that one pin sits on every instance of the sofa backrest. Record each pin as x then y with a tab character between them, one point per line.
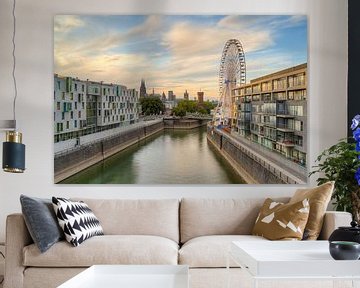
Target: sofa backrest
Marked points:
200	217
159	217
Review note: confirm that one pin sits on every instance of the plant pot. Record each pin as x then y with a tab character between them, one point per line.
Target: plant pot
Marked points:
350	234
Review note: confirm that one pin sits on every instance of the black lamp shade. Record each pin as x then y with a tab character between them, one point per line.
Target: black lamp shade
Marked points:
13	157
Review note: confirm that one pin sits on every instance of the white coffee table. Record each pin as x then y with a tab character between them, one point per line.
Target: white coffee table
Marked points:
131	276
292	260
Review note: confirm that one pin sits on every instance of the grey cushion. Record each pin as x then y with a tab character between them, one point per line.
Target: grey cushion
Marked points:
41	221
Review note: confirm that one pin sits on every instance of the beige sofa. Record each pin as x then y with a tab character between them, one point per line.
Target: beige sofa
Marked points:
194	232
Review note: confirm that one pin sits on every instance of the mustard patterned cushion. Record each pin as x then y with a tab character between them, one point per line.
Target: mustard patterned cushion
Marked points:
279	221
319	198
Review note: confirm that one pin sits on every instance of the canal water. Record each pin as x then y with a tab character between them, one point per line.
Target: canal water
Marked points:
168	157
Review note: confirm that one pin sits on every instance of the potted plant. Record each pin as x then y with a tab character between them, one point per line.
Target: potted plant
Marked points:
341	163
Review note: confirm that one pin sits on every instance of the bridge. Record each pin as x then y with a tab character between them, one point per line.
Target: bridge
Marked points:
199	116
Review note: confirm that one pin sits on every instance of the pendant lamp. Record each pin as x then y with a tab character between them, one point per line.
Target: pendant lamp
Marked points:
13	149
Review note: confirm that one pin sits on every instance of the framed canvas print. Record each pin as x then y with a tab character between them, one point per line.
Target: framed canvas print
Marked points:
180	99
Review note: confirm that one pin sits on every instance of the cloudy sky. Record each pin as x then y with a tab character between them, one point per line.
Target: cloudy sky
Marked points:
174	52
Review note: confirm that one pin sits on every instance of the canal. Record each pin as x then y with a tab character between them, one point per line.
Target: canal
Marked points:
169	157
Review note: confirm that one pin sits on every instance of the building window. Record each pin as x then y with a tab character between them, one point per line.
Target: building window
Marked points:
63	95
298	140
58	106
62	116
67	124
75	123
83	88
279	83
72	115
71	96
298	125
75	105
75	87
296	110
79	114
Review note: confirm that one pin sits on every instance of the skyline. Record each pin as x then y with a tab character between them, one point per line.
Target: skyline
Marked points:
162	49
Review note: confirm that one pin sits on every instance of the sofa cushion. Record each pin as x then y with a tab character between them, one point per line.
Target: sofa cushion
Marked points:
319	198
279	221
107	249
158	217
77	220
201	217
211	251
41	221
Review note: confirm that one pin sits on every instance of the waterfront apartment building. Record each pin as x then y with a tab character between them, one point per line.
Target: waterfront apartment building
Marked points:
272	111
85	107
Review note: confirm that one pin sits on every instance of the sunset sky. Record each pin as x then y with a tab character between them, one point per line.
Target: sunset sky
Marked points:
173	52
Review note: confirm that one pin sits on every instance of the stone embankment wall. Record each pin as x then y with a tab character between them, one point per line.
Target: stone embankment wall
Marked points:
82	157
251	167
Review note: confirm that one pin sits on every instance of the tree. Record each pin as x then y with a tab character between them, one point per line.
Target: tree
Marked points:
208	106
192	107
151	106
179	111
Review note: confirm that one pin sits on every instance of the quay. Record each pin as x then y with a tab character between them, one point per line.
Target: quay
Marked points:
75	155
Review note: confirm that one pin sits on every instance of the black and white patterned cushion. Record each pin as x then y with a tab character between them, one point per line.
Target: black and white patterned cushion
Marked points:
77	220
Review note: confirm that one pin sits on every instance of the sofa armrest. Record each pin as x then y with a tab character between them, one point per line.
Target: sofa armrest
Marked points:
17	237
333	220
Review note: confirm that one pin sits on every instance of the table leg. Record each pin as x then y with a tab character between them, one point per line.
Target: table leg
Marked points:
228	270
255	283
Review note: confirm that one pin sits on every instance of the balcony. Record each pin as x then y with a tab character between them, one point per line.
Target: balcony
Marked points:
285	142
283	113
270	124
284	127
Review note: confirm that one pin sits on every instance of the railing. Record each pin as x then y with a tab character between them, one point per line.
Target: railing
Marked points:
284	126
271	124
64	147
290	166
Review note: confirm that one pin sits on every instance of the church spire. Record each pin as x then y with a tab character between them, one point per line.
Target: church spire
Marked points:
142	88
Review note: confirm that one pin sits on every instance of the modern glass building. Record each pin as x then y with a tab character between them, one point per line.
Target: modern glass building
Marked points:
272	111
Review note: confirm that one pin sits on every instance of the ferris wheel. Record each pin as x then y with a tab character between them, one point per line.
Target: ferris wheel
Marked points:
232	74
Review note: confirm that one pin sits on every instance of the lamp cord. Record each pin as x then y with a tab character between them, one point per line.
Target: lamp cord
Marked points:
14	60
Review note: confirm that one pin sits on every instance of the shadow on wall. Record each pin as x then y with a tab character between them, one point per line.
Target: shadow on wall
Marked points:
150	7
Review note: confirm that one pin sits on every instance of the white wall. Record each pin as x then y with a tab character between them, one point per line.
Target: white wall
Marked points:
327	21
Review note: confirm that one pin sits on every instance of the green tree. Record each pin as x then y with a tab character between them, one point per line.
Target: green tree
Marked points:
191	106
208	106
151	106
179	111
